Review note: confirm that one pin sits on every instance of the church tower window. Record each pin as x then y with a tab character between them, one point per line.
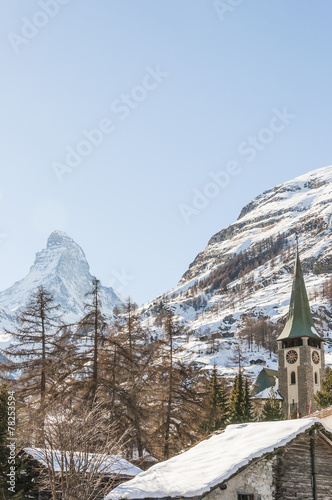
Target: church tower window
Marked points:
293	378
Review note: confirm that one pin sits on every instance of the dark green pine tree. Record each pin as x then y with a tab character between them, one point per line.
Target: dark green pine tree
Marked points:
217	407
272	409
240	406
323	398
248	409
236	400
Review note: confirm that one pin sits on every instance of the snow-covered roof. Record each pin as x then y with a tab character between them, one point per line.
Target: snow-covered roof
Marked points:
325	412
266	394
212	461
266	379
108	465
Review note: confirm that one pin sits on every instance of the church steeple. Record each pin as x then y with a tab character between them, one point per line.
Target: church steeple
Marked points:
300	351
299	321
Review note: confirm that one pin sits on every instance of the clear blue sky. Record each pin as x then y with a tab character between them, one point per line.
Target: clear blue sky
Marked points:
227	74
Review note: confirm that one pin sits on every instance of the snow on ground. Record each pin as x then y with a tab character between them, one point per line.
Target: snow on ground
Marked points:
193	349
212	461
328	358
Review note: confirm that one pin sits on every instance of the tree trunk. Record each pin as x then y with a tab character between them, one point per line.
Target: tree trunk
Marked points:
43	375
170	394
95	351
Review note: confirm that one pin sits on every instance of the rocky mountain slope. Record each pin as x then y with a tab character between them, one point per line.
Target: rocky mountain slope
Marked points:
63	269
246	269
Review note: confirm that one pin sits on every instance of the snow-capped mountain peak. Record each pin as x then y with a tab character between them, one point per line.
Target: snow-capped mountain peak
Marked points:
62	268
62	256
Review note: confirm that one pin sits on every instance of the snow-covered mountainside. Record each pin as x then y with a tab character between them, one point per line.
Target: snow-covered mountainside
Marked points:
63	270
246	269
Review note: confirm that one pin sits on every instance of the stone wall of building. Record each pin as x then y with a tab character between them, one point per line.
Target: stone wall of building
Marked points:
300	470
305	380
302	392
283	380
256	479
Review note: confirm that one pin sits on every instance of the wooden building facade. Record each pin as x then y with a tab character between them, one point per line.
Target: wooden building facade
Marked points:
281	460
301	470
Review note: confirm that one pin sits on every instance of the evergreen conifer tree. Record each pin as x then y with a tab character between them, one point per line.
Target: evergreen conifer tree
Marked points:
235	399
240	406
272	409
217	408
323	398
248	410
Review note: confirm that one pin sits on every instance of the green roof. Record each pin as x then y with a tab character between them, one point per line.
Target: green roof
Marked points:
266	378
299	321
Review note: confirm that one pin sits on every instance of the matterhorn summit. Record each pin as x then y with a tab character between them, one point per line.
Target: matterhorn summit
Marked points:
63	270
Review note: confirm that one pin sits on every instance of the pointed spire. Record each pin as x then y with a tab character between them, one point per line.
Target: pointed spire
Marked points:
299	321
297	245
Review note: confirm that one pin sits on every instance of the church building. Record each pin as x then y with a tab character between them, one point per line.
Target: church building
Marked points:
300	352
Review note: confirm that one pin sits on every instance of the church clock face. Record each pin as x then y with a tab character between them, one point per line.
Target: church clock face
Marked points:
315	357
291	357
